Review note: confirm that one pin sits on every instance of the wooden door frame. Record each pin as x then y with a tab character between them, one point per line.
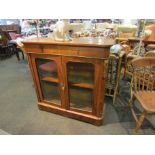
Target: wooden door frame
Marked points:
57	59
98	83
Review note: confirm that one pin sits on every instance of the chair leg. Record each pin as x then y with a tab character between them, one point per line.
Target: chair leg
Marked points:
140	121
17	54
125	67
131	101
22	55
116	92
124	72
114	96
114	99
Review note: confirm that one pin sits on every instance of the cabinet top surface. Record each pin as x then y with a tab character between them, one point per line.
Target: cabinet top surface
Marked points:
83	41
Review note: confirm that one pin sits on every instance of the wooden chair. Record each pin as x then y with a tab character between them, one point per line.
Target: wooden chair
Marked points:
135	53
150	54
143	88
18	49
138	51
6	49
127	49
151	37
113	75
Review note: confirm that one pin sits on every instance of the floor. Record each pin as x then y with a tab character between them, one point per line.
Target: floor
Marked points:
19	114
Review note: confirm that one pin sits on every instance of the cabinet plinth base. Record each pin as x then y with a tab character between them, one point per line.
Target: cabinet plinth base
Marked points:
71	114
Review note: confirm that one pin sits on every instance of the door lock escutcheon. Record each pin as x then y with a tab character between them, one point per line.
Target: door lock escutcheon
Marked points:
62	86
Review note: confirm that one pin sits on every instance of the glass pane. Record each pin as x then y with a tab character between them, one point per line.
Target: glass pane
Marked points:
80	72
81	98
48	77
80	84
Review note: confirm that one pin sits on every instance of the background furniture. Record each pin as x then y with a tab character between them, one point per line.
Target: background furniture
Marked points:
137	51
150	54
124	32
13	38
143	88
6	49
69	77
11	28
113	74
134	40
150	46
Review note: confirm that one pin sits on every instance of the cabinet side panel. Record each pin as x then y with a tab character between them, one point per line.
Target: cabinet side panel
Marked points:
33	76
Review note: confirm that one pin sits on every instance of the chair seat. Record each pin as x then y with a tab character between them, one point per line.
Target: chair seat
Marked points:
147	100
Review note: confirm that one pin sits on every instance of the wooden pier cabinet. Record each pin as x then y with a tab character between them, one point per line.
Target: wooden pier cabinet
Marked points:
69	77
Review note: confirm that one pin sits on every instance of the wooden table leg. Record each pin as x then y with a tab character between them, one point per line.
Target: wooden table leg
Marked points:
140	121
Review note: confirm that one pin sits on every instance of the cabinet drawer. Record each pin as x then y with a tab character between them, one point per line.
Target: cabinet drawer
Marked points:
33	49
68	52
52	49
93	52
60	50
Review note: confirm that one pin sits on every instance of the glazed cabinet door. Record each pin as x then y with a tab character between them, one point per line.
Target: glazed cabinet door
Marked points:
48	78
83	81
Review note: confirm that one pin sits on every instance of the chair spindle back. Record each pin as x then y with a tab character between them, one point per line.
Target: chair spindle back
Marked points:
144	74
